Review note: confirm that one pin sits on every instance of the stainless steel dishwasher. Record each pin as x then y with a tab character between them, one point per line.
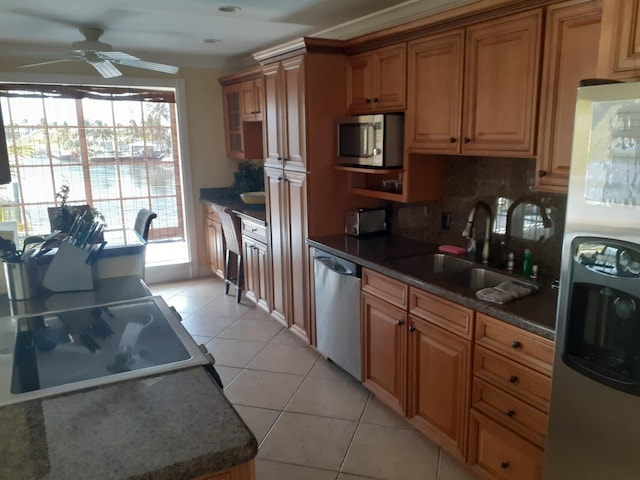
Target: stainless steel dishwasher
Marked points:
337	289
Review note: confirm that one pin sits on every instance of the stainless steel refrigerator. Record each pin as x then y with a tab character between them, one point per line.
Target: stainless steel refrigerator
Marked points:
594	419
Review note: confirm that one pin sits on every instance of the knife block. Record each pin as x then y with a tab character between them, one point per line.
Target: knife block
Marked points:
69	270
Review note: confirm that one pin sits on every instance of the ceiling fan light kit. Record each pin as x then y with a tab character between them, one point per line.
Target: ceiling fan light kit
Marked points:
101	56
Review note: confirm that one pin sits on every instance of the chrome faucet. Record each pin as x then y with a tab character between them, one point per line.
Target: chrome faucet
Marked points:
469	231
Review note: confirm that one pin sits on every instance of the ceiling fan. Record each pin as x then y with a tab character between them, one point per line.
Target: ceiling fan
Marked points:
101	56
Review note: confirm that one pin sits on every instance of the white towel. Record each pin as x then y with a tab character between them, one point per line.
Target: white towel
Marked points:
505	292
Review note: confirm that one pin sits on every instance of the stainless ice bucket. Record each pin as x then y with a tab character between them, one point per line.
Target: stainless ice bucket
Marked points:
22	279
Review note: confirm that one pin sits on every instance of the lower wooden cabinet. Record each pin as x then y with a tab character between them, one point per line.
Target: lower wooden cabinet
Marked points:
214	242
510	402
501	453
384	346
473	384
256	263
287	196
244	471
439	366
412	363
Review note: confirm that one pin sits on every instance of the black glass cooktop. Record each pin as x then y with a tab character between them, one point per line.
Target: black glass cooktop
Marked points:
65	347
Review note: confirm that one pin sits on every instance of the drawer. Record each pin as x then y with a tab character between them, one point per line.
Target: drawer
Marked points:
254	230
450	316
525	383
385	288
522	346
510	411
502	453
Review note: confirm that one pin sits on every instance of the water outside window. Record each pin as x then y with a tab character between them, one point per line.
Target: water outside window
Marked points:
117	156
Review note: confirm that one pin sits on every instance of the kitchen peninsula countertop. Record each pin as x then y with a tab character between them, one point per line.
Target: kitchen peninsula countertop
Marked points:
535	313
220	196
170	426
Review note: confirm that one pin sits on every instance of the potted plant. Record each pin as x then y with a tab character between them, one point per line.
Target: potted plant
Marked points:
62	217
248	178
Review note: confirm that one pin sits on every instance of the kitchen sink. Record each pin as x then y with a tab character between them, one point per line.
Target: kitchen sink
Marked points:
480	277
433	263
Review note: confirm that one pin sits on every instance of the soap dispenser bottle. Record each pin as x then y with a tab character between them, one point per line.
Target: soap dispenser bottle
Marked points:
527	263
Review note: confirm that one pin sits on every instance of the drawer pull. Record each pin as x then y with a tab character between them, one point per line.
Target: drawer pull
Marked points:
505	464
400	322
513	378
516	344
255	230
511	413
412	328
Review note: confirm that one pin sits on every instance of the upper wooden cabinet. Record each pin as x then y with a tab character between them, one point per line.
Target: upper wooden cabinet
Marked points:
571	52
285	114
433	119
376	80
252	100
502	68
619	50
474	91
242	101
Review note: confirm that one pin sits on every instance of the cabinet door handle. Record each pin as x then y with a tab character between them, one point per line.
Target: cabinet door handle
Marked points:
400	322
453	139
467	140
367	100
542	173
511	413
513	378
412	328
516	344
280	158
505	464
375	100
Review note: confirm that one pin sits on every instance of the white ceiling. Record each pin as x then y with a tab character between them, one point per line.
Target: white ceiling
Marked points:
173	31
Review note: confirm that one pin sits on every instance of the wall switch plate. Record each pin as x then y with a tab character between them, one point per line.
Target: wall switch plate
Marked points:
445	221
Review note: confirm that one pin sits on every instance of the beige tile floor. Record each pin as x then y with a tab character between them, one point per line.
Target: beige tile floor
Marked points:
312	420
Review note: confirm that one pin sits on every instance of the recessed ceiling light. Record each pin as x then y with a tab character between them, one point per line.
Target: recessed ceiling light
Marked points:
211	40
229	9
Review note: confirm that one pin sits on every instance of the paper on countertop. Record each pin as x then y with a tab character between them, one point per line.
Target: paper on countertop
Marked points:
505	292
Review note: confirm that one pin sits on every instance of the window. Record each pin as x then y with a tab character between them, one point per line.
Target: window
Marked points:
116	148
526	221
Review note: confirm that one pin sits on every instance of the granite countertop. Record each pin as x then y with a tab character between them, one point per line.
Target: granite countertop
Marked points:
170	426
173	426
222	197
535	313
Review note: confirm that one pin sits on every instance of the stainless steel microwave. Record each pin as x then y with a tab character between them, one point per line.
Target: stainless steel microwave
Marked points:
371	140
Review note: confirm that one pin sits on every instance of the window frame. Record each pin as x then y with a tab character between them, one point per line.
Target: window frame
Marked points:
153	273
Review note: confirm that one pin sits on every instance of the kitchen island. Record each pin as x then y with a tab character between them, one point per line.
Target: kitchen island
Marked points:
173	425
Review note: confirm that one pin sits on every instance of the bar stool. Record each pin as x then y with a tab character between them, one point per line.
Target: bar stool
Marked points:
143	222
233	274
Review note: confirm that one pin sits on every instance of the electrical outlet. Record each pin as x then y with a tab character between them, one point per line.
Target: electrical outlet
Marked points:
445	221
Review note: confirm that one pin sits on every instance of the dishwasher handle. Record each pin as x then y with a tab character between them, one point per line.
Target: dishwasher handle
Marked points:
336	267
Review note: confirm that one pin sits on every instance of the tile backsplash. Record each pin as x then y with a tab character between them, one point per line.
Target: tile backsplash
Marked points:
470	179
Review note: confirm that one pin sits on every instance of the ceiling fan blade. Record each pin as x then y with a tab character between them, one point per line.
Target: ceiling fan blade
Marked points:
116	56
50	62
106	68
157	67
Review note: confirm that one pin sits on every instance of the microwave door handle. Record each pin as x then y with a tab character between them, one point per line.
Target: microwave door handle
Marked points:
367	151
